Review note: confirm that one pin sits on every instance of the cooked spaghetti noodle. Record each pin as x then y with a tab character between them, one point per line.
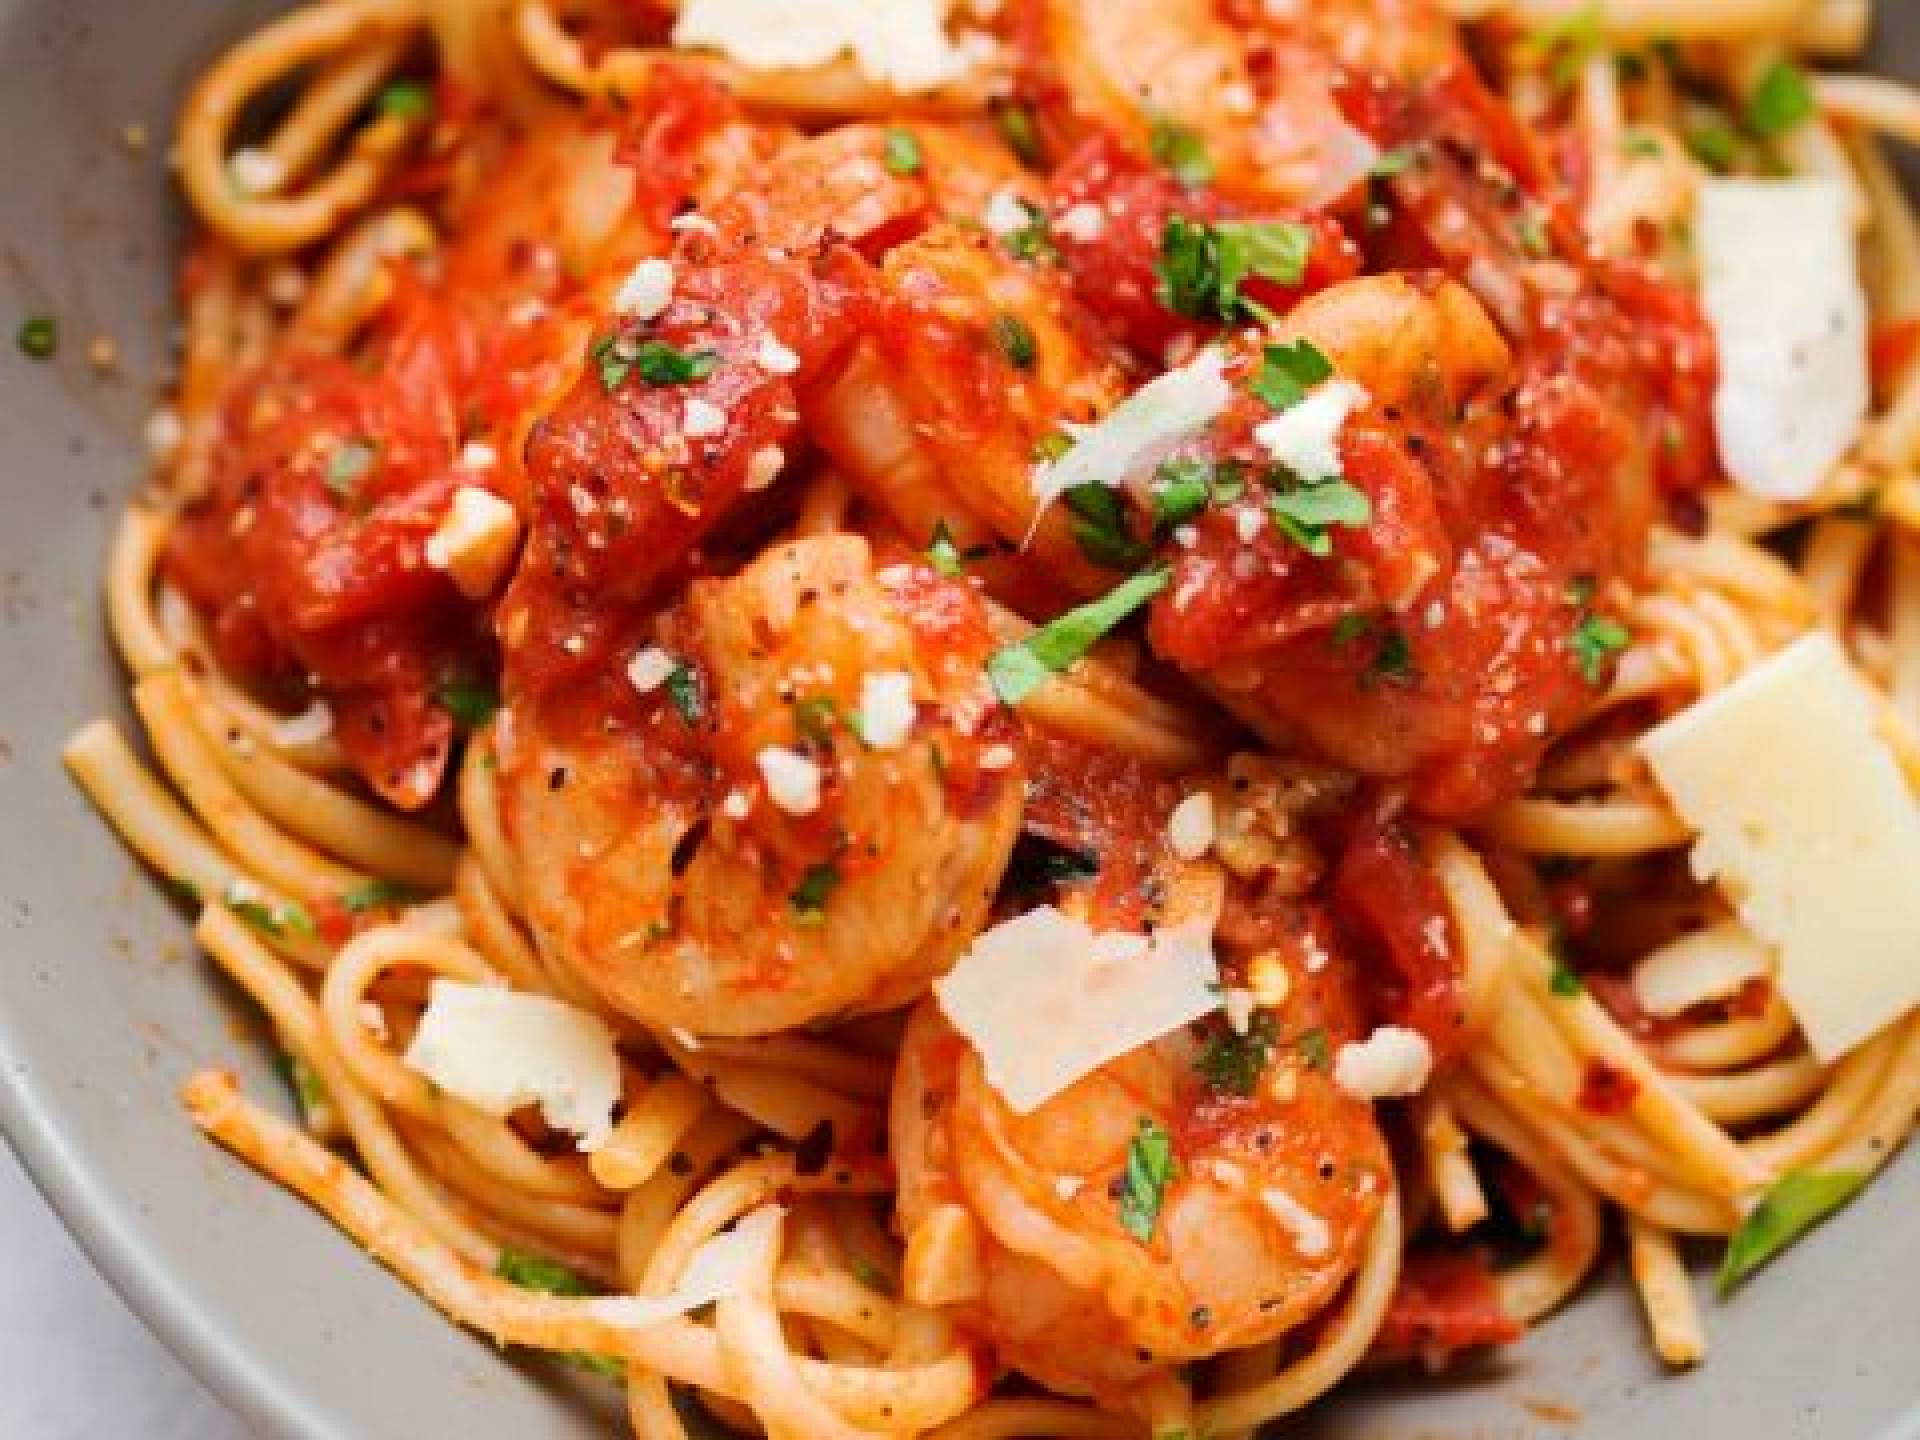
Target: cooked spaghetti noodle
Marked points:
611	552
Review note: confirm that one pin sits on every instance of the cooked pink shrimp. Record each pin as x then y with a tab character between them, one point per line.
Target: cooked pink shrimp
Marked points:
1262	1215
789	813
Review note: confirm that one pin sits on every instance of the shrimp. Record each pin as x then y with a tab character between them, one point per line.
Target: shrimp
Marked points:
1276	1179
731	834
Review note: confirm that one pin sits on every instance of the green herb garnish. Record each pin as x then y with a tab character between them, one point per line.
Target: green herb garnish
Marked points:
1181	490
1100	526
903	152
1018	670
472	703
1180	150
304	1082
1202	267
942	553
1232	1063
1798	1201
1288	372
1392	662
814	718
1713	143
685	691
379	895
38	337
1596	638
1315	1048
1015	339
1782	102
1150	1169
348	465
406	99
657	362
1016	125
816	887
1306	513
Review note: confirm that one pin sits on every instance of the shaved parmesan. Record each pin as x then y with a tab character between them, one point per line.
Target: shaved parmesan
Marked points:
475	541
793	779
1140	429
1046	1000
1780	282
731	1263
1306	437
647	290
887	710
500	1049
1391	1062
1699	969
901	44
1806	822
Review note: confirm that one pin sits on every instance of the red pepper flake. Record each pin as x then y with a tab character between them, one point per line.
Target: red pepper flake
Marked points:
1606	1089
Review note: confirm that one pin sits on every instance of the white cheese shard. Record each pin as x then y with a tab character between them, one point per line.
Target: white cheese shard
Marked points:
901	44
731	1263
475	541
1391	1062
647	290
1140	429
775	357
1084	223
1045	1000
648	670
309	727
1780	282
1306	437
1312	1236
1808	826
500	1049
703	419
1006	213
887	710
793	780
1190	826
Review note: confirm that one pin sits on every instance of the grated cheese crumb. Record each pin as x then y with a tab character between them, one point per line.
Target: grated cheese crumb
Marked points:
647	290
793	779
887	710
1390	1062
1190	827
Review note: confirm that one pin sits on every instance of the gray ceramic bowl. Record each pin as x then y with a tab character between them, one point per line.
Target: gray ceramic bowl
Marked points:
104	1007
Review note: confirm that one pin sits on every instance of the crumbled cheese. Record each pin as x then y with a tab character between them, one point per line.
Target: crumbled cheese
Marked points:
1084	223
1238	1005
737	805
684	1037
886	709
1248	522
1311	1235
996	757
256	172
1807	824
901	44
500	1049
693	223
729	1264
764	466
774	357
309	727
1068	1186
1390	1062
475	540
647	290
1140	429
1306	437
1190	826
793	780
478	455
1269	979
704	419
1007	213
648	670
1780	283
1045	1000
165	433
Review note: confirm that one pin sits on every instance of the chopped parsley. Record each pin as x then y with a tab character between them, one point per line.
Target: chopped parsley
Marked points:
814	718
871	1275
1015	339
1713	143
406	99
657	362
1349	628
349	464
1033	240
379	895
1179	150
1396	161
1150	1169
687	694
943	554
903	152
1596	639
1201	268
1181	490
1782	102
272	921
38	337
1232	1063
550	1277
1566	45
308	1093
1306	513
1797	1201
1100	526
472	703
1039	864
816	887
1392	662
1018	670
1565	980
1016	125
1288	371
1315	1048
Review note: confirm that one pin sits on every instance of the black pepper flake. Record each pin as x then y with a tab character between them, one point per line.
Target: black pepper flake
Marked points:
557	778
680	1163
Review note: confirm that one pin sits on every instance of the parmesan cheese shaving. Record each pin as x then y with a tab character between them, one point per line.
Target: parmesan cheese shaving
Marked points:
1045	1000
901	44
726	1265
1140	429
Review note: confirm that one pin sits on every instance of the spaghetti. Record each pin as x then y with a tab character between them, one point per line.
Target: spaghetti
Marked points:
606	555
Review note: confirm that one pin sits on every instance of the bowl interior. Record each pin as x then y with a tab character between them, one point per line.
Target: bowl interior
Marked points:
104	1007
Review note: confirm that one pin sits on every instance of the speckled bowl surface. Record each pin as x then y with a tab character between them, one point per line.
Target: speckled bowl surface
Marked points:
104	1007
